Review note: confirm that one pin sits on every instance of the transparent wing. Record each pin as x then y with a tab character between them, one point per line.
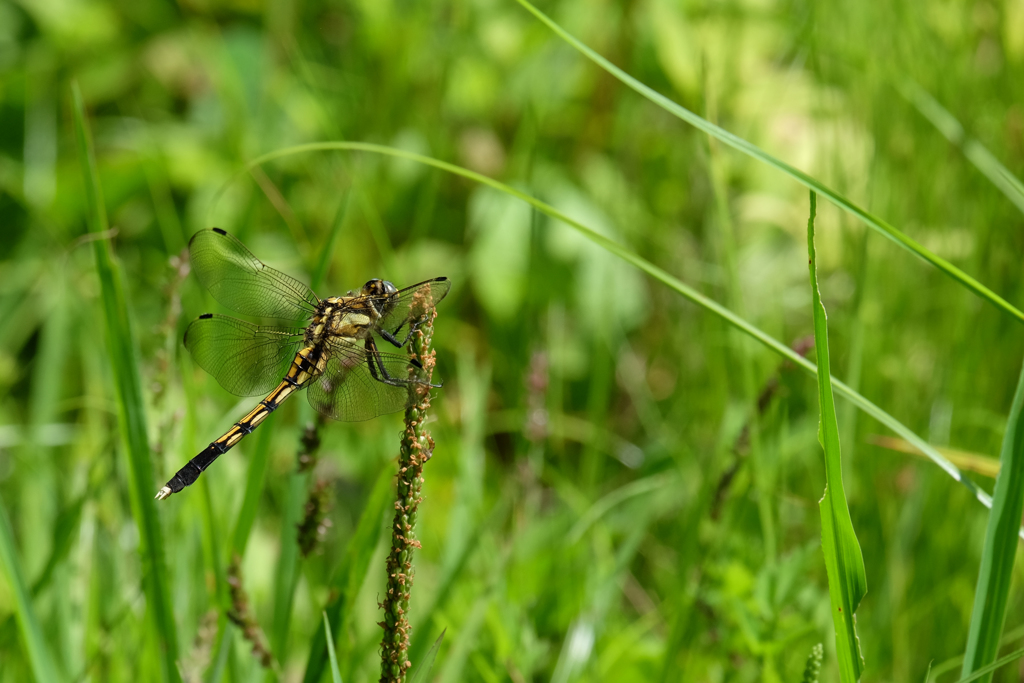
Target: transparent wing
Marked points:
245	359
243	283
408	307
354	386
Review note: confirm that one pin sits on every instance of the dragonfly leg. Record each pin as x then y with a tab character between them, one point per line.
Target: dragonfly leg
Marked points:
389	337
381	374
393	336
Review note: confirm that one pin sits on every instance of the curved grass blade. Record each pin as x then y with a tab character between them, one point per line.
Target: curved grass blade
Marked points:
614	498
953	662
971	462
844	562
422	672
807	181
120	338
996	571
655	272
988	670
335	674
35	644
975	152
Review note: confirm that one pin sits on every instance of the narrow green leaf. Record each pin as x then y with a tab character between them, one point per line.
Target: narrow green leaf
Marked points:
35	644
422	672
65	527
847	579
353	570
975	152
996	572
807	181
655	272
212	546
937	670
335	674
617	497
121	346
221	649
257	473
987	670
287	574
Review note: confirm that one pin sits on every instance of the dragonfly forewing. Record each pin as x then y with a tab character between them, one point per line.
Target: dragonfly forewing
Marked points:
245	284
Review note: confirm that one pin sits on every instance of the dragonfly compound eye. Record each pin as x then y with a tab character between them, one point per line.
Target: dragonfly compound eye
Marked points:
379	288
374	287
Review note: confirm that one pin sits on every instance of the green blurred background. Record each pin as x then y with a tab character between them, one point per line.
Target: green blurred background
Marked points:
608	499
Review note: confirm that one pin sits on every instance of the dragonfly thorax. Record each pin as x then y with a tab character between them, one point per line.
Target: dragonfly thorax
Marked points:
354	316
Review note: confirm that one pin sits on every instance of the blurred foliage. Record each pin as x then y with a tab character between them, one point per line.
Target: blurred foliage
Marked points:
596	508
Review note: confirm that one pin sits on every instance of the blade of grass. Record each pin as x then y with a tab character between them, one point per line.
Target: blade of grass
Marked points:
658	274
422	672
965	460
953	662
35	644
335	674
987	671
617	497
130	405
996	572
844	562
352	572
807	181
253	490
287	574
211	547
222	650
975	152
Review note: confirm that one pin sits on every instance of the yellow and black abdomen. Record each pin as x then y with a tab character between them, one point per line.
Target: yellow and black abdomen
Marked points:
308	364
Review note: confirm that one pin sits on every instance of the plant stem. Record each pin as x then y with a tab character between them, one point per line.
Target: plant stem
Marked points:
417	447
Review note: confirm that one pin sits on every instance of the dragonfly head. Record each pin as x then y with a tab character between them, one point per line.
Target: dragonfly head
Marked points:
379	289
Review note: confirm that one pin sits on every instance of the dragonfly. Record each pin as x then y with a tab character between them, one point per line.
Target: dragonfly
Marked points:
329	348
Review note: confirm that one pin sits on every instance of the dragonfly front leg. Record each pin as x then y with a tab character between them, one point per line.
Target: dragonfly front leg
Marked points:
380	372
393	338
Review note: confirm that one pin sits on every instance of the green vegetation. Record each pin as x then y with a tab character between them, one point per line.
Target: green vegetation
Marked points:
627	471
